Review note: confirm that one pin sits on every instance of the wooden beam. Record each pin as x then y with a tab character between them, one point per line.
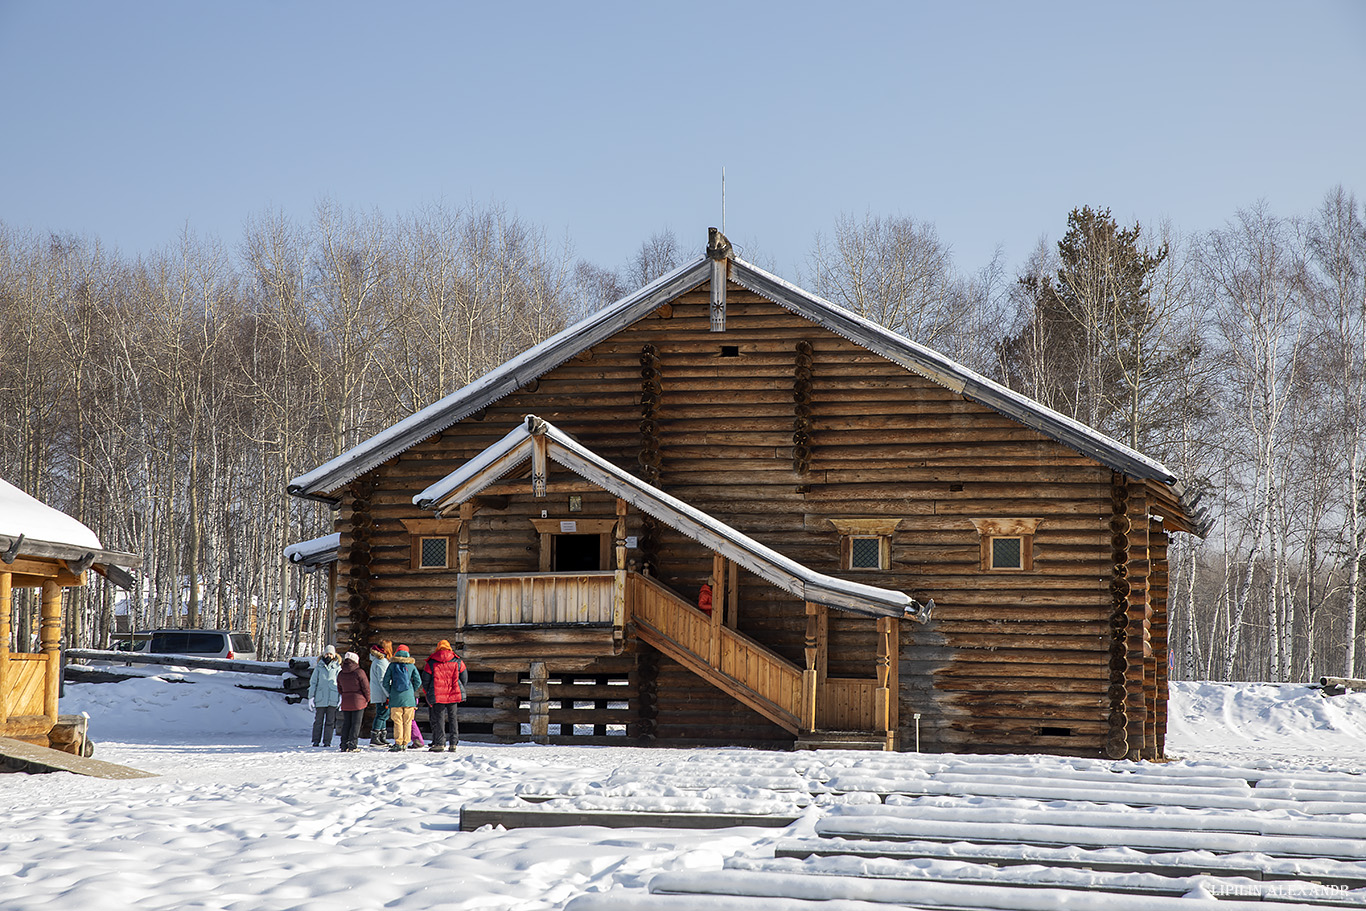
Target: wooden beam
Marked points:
55	551
523	486
539	471
40	569
718	295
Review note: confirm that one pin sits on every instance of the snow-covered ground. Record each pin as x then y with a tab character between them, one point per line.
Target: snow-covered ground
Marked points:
246	815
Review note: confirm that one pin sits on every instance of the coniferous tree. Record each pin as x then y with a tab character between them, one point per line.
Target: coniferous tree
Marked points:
1091	345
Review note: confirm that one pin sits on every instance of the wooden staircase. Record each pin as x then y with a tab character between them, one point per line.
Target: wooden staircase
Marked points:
755	676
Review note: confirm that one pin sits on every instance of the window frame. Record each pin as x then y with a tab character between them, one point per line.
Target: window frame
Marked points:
878	529
420	551
993	530
420	530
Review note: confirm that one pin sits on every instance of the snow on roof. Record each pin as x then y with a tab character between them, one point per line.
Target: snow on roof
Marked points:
21	514
923	361
516	447
314	550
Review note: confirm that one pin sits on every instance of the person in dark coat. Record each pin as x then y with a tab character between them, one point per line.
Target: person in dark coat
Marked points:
445	678
354	689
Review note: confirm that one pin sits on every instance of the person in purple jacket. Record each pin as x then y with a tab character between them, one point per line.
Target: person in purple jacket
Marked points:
354	689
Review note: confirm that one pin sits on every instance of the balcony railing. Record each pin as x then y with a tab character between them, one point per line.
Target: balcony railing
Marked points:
542	599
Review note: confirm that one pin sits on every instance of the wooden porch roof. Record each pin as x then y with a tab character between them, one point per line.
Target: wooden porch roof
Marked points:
41	542
536	440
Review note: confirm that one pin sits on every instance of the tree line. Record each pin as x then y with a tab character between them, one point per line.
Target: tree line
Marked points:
166	399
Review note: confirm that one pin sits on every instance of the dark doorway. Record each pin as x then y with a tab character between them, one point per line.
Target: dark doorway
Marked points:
577	553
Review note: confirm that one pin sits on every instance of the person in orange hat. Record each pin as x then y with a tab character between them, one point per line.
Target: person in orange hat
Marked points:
445	677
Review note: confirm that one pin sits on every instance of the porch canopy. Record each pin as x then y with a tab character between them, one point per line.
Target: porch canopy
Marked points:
537	440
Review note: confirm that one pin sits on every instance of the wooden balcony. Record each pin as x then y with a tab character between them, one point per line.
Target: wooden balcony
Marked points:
508	620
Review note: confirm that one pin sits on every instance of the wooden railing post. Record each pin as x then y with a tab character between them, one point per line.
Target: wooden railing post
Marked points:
808	719
882	698
50	639
718	607
6	603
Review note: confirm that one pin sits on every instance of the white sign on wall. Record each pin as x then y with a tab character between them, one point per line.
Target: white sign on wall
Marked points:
568	528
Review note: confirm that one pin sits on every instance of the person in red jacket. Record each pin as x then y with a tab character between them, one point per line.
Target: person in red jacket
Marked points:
354	688
445	677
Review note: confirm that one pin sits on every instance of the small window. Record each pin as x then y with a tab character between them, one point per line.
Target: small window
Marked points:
730	350
865	553
1007	553
434	553
865	543
1007	544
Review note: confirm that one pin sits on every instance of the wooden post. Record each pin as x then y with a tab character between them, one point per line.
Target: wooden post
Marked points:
50	641
893	680
620	534
882	699
540	702
808	719
718	606
462	553
733	598
822	643
6	605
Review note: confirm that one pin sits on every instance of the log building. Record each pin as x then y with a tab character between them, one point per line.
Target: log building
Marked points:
901	553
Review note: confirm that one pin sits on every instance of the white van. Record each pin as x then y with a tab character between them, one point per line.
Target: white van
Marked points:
201	643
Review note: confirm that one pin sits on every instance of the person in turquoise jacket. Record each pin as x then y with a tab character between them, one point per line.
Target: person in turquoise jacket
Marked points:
401	681
323	696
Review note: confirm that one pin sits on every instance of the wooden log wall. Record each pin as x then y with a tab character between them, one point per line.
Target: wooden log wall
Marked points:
776	426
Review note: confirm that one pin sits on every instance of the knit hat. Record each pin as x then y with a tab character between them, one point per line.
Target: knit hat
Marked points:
402	652
377	649
352	656
329	649
444	644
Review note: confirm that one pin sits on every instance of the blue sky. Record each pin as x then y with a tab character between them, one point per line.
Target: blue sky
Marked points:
604	123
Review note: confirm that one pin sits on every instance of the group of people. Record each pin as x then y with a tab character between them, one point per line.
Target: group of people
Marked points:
339	691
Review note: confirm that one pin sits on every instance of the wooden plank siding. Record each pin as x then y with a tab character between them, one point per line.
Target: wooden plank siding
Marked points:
25	682
1009	660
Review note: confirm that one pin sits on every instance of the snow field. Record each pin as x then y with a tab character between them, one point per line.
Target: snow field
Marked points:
246	816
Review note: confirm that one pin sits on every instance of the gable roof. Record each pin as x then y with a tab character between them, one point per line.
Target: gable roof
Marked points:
536	361
517	448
